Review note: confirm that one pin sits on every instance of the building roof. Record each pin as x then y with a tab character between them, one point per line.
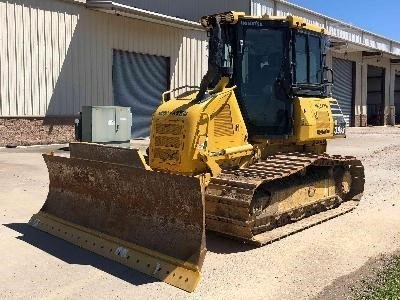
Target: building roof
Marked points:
141	14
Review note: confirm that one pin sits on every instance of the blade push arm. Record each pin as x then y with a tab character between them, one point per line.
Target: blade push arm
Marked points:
215	56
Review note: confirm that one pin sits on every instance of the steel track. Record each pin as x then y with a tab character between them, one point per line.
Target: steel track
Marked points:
229	197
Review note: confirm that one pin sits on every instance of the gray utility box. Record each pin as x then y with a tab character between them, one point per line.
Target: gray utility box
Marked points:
103	124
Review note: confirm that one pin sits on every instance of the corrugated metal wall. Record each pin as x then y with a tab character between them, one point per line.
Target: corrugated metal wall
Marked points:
187	9
56	57
261	7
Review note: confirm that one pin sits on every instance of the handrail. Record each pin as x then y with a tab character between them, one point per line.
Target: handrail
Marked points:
176	89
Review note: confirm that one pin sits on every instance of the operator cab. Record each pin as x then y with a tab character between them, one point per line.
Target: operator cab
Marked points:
273	63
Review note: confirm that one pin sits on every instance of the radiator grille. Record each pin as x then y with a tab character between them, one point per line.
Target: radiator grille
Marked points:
167	141
174	129
223	122
166	154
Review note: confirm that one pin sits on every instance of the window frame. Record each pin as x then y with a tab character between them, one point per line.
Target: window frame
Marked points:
294	55
255	129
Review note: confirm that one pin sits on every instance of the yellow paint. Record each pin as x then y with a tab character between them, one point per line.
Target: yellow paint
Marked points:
298	22
192	138
189	138
295	22
298	196
173	271
312	119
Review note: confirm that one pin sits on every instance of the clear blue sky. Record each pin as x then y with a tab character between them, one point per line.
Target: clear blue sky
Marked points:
379	16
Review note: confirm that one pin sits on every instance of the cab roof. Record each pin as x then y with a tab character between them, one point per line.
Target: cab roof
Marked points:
233	17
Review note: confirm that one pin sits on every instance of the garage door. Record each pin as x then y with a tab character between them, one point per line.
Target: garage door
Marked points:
138	81
343	87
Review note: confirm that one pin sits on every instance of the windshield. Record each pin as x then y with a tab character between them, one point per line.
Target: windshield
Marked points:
263	61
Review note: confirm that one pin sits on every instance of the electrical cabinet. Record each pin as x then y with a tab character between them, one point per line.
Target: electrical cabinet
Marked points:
103	124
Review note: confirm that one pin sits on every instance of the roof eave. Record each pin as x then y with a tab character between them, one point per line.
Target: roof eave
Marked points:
141	14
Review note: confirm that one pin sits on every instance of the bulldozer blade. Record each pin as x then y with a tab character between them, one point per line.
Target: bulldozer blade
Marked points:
150	221
116	155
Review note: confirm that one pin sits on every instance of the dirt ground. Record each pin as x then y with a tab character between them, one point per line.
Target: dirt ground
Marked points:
321	262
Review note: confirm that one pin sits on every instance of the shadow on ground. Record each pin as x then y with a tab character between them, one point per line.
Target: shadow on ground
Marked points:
74	255
221	244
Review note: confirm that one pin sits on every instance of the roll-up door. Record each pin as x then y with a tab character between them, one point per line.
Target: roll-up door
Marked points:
343	87
138	81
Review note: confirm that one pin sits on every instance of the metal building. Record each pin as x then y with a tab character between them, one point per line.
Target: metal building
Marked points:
57	55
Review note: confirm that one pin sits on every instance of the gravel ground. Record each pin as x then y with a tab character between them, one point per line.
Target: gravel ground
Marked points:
320	262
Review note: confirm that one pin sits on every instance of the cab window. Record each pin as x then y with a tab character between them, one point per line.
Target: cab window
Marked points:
307	58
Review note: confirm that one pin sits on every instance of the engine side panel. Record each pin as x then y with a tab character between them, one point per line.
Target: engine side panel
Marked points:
313	119
183	132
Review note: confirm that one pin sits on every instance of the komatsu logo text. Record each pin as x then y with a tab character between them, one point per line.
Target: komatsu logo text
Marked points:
252	23
323	131
179	113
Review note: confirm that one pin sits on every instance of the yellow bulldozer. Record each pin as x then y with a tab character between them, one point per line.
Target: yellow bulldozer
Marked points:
243	155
